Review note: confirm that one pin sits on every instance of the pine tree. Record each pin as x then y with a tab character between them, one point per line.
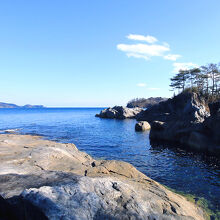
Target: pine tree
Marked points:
179	80
205	80
206	76
198	80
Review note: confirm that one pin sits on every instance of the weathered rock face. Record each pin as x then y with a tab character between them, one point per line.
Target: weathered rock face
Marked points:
42	179
188	122
211	125
119	112
176	131
142	126
186	106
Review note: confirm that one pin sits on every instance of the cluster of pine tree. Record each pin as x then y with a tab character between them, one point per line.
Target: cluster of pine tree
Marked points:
205	80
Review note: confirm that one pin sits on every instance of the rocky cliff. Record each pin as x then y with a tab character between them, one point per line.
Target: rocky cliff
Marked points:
189	107
186	119
42	179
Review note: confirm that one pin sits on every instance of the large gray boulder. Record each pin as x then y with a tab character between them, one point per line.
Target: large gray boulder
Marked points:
42	179
119	112
142	126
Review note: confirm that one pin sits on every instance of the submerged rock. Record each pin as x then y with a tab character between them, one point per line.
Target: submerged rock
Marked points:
42	179
142	126
119	112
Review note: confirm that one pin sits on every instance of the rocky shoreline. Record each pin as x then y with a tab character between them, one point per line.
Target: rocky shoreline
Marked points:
41	179
185	119
188	120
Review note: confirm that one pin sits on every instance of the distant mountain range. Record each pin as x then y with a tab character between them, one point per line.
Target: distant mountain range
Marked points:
9	105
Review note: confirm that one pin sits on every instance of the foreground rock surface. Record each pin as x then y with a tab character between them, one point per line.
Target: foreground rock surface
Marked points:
119	112
41	179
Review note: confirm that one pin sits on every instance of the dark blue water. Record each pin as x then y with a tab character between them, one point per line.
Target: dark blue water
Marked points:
116	139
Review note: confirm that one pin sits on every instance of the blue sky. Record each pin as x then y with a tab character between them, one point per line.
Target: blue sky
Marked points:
101	52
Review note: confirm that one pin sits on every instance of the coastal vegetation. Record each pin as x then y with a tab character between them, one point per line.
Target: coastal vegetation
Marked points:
210	212
145	103
204	80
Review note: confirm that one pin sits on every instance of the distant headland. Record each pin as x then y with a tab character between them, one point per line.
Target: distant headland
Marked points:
145	103
10	105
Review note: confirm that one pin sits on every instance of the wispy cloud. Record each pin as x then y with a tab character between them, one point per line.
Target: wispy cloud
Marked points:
148	38
136	55
141	84
183	66
143	50
151	47
172	57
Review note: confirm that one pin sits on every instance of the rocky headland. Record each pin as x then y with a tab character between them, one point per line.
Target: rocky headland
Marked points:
42	179
119	112
187	106
145	103
186	119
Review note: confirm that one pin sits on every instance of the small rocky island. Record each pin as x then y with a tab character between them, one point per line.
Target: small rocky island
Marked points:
119	112
42	179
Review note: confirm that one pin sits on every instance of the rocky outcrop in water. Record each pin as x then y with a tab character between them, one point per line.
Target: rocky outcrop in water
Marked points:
119	112
186	119
142	126
42	179
188	107
211	126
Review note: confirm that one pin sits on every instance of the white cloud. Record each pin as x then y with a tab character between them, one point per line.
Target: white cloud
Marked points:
148	38
183	66
147	49
136	55
141	84
166	44
172	57
136	50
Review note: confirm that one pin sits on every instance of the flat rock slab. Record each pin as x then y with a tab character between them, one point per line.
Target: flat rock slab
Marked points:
41	179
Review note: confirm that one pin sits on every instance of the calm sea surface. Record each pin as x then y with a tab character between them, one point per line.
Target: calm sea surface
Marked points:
116	139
